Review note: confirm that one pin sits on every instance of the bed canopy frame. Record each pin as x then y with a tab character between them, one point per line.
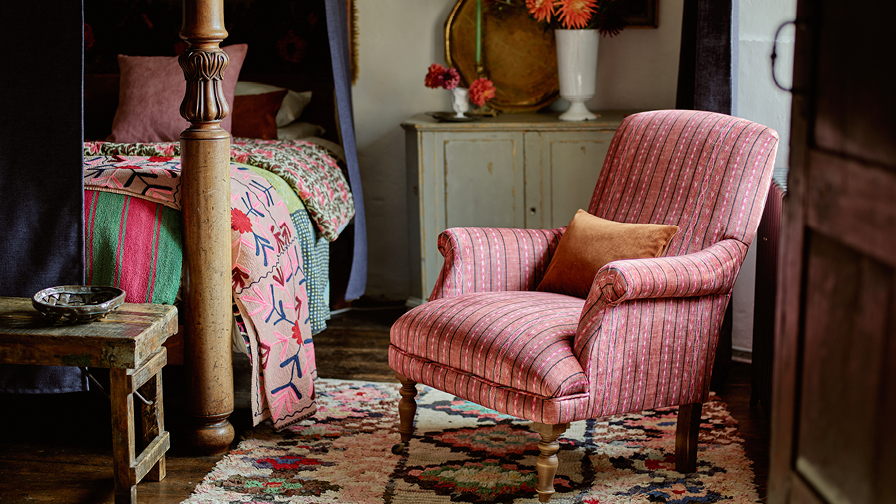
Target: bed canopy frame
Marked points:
205	161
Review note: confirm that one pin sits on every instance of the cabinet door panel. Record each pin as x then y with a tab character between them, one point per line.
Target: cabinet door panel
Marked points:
564	178
463	179
483	180
575	165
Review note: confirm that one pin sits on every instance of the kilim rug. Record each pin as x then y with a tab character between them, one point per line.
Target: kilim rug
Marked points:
462	452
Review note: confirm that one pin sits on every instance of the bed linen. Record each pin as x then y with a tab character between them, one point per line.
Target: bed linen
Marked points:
310	169
274	264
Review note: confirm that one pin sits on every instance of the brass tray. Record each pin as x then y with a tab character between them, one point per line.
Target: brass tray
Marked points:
518	55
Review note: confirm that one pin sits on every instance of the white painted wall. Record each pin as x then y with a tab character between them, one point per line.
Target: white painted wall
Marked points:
398	40
759	100
638	69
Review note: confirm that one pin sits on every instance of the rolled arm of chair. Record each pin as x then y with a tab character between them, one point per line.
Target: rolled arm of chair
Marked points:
658	316
493	259
712	270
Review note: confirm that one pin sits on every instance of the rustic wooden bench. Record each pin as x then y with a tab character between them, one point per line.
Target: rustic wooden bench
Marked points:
128	342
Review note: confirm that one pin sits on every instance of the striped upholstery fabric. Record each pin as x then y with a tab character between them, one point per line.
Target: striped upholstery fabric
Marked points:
646	335
712	270
706	173
491	260
519	340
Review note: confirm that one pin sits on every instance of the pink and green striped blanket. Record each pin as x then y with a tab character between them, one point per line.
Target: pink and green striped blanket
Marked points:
133	243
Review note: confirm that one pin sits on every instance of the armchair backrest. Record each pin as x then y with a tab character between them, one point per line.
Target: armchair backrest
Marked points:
705	172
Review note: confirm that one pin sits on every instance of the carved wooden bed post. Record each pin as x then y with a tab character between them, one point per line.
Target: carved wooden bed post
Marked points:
205	158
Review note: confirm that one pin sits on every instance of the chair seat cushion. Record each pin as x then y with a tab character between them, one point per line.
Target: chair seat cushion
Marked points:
519	340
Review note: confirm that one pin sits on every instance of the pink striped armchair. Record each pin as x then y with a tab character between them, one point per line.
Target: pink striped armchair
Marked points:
645	336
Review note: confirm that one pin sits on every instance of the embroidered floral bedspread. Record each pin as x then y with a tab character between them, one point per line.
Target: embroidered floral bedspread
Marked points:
269	282
309	169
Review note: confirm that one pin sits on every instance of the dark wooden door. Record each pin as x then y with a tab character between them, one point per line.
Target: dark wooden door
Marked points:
835	358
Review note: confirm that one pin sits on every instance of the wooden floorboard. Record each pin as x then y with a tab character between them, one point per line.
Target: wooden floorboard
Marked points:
58	448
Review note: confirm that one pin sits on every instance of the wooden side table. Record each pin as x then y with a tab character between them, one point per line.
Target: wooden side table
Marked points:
128	342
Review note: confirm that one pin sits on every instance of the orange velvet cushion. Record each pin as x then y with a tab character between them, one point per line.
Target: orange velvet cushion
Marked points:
255	116
591	242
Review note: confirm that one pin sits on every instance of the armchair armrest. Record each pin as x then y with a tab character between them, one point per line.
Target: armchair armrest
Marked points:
493	259
712	270
649	322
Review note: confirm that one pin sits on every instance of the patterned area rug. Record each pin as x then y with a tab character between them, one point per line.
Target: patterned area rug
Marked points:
465	453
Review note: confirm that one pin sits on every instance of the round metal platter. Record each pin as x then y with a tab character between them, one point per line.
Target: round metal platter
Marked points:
518	55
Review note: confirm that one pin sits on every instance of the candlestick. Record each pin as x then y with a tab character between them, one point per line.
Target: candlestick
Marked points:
478	32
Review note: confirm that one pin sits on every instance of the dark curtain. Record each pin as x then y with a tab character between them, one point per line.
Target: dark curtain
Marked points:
706	75
337	27
41	187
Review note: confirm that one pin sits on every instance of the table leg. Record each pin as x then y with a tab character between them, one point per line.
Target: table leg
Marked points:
130	466
123	452
153	421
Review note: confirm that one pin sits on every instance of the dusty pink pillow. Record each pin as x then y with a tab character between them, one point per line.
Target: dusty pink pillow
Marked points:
151	91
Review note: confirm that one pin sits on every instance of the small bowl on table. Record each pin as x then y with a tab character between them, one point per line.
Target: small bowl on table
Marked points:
77	304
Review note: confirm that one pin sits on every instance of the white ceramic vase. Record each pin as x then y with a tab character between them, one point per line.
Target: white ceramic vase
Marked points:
460	101
577	69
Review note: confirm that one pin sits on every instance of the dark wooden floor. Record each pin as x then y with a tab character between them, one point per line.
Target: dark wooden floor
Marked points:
57	449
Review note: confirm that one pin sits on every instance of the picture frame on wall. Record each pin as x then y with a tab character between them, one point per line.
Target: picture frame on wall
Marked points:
642	14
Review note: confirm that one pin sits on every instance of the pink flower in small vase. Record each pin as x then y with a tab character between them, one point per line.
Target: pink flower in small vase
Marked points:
576	13
481	90
451	79
441	77
541	10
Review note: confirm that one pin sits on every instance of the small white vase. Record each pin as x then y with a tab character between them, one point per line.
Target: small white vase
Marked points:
460	101
577	70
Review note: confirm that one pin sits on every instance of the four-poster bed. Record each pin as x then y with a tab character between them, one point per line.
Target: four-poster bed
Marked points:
205	156
252	216
59	198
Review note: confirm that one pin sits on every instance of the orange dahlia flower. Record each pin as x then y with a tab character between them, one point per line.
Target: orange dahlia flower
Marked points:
576	13
481	90
541	10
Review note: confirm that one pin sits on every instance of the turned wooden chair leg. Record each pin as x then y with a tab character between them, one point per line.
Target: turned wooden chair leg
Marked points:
547	460
686	437
407	408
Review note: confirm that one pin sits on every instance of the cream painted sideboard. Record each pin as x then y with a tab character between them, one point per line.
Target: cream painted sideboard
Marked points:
514	170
